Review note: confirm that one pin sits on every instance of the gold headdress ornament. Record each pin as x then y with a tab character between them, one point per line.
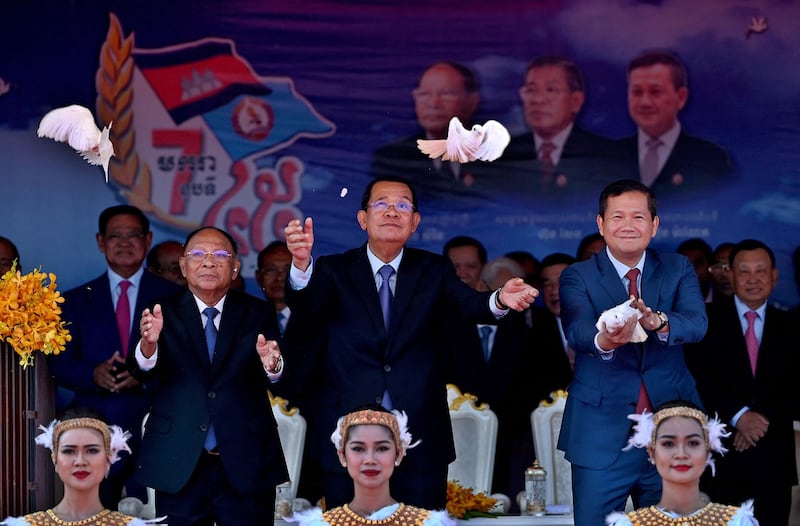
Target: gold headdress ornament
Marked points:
396	422
114	439
644	430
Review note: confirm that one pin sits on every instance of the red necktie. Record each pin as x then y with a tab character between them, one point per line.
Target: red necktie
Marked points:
546	158
123	313
643	403
750	338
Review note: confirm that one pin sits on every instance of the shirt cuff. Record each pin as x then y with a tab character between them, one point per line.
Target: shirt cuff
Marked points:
299	279
274	377
498	312
604	354
145	364
737	416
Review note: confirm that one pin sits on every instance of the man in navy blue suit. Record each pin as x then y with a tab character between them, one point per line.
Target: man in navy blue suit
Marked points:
662	155
615	376
395	354
93	363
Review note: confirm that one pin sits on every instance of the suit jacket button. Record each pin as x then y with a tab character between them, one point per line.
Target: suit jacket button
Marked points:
378	400
387	368
203	428
212	394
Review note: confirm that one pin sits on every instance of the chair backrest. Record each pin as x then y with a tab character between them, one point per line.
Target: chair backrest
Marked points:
292	432
546	426
475	437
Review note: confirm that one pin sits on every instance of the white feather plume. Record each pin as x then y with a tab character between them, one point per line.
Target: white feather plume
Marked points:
482	142
405	436
119	442
75	125
613	319
45	438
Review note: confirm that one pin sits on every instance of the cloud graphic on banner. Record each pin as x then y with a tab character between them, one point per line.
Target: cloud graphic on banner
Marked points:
266	123
191	79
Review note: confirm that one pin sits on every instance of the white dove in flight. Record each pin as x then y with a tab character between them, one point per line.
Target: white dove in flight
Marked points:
758	24
613	319
75	125
485	142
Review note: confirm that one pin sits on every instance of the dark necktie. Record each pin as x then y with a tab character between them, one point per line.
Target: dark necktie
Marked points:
123	314
210	330
649	167
546	150
280	317
750	339
486	331
385	293
211	342
643	402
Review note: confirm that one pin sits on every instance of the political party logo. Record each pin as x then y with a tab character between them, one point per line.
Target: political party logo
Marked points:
198	137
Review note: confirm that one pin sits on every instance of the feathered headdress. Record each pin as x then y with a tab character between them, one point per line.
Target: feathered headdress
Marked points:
396	421
114	438
644	430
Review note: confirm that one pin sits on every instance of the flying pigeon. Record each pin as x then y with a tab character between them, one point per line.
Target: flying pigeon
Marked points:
75	125
613	319
485	142
758	24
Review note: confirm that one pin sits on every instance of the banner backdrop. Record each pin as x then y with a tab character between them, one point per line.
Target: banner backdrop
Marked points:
244	114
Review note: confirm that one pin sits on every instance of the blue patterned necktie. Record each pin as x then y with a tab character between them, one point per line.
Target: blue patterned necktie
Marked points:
211	342
385	293
486	331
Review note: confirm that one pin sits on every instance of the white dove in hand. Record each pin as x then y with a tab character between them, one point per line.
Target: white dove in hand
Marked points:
485	142
613	319
75	125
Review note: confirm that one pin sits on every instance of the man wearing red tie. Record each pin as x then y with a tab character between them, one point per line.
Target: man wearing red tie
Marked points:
615	375
747	372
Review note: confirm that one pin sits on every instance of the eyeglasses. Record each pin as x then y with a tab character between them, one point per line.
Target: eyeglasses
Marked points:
424	95
198	256
716	268
118	236
401	207
549	92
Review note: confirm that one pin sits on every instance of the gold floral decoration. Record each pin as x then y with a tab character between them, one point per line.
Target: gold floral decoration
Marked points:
464	503
30	315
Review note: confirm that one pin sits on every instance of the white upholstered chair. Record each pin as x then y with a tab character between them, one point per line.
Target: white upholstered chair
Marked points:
475	434
292	432
546	425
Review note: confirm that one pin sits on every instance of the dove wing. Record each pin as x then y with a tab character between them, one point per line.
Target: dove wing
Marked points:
495	140
433	148
72	124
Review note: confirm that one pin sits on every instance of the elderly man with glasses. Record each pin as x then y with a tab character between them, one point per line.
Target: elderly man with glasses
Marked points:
100	314
211	448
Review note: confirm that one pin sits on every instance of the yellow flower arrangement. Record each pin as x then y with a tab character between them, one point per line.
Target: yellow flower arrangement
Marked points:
30	315
463	503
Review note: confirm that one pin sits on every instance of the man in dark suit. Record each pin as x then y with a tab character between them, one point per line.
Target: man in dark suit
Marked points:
380	309
91	370
662	154
211	448
756	395
614	375
445	90
557	158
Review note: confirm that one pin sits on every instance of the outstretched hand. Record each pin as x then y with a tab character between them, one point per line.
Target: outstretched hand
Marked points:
150	328
299	241
517	295
270	354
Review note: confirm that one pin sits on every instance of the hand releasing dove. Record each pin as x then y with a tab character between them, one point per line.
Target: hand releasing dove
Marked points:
613	319
485	142
75	125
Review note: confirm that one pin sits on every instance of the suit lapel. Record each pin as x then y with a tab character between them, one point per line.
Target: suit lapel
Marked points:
652	278
192	321
363	280
232	315
409	278
610	280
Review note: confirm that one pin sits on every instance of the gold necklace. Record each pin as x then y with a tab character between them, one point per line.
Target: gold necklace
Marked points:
87	520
